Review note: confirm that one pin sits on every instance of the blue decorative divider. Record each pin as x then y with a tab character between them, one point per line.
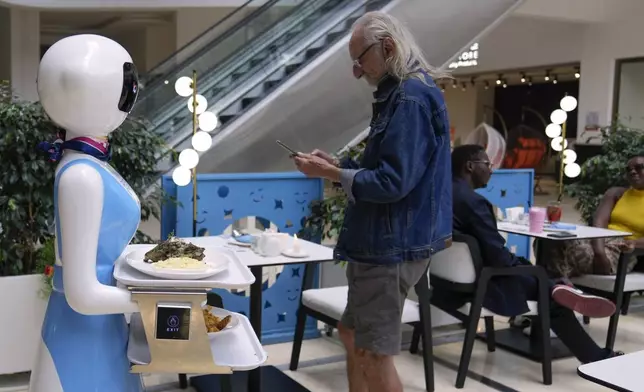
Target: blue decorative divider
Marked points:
512	188
279	198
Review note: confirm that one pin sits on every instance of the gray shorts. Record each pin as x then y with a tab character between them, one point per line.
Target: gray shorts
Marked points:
375	303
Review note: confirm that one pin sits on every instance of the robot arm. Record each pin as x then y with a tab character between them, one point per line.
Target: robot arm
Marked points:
80	205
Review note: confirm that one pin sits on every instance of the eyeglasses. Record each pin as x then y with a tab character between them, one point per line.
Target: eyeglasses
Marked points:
357	62
486	163
638	167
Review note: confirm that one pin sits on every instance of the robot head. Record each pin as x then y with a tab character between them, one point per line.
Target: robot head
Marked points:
87	84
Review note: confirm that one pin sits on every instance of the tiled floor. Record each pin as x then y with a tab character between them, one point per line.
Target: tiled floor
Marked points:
322	367
322	364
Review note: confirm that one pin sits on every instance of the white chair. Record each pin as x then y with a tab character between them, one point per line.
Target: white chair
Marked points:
328	304
460	270
618	288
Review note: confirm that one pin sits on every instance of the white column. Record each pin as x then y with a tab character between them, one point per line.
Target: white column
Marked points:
20	48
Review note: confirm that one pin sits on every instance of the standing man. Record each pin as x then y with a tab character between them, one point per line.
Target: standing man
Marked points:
400	199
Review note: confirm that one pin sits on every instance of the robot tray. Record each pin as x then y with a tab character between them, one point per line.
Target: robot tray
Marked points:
239	349
237	275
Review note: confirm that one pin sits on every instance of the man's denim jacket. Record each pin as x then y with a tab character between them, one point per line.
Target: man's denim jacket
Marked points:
400	193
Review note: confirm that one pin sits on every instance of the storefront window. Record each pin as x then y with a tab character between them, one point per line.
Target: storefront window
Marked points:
628	107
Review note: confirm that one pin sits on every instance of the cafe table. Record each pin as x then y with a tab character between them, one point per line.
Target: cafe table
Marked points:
620	373
513	339
265	378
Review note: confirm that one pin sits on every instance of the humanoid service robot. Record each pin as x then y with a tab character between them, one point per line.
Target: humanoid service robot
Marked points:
87	85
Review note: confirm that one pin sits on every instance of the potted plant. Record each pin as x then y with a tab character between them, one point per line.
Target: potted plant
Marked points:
27	216
605	170
327	215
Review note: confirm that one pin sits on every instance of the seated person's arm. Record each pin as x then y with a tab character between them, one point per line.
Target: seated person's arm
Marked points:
482	225
602	217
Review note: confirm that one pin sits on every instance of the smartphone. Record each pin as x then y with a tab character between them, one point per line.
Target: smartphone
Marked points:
287	148
562	234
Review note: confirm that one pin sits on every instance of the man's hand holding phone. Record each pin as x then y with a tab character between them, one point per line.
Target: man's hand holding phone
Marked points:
326	156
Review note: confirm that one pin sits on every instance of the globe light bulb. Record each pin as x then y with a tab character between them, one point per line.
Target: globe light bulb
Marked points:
208	121
572	170
558	117
201	141
569	157
181	176
553	130
202	104
558	143
183	86
568	103
189	158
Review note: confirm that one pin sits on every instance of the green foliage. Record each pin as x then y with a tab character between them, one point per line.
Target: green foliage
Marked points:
325	220
606	170
27	178
26	186
5	91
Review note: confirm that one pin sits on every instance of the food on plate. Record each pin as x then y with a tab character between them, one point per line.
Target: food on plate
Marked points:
182	263
174	247
214	323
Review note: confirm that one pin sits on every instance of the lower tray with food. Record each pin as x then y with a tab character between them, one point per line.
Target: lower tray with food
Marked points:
177	263
232	340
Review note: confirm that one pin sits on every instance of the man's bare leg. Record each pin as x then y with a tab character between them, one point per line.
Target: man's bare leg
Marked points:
355	373
380	372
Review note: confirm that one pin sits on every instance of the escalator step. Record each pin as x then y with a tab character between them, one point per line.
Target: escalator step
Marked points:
225	118
291	68
329	6
332	37
237	76
255	62
215	91
310	53
246	102
349	23
376	5
270	85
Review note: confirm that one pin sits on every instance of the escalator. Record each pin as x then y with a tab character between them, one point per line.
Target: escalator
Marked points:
252	67
323	106
293	81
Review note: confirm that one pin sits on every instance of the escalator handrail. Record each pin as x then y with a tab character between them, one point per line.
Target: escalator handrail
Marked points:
268	4
248	51
249	86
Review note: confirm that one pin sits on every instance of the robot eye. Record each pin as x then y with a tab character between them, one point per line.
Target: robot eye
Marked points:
130	90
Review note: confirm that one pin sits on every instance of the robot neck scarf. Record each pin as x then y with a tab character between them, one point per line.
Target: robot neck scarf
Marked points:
99	148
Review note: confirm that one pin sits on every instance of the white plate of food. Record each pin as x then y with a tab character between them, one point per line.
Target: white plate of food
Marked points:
219	321
179	259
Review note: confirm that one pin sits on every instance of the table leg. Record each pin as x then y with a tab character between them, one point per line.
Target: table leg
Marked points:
255	316
618	295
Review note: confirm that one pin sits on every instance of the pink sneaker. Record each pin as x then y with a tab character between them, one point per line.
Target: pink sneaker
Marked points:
585	304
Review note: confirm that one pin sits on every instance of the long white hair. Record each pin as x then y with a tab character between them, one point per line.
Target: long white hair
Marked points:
408	58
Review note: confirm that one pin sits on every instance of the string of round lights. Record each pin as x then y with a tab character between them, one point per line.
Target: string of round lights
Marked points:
556	131
204	122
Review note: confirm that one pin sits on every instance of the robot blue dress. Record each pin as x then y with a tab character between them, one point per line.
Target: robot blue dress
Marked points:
90	352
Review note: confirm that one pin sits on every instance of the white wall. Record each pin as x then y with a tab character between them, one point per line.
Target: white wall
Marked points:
466	108
631	95
524	42
602	45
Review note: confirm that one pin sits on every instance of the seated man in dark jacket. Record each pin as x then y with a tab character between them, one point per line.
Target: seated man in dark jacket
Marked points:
507	295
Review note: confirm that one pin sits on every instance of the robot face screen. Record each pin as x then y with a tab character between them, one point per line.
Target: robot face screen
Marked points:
130	88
